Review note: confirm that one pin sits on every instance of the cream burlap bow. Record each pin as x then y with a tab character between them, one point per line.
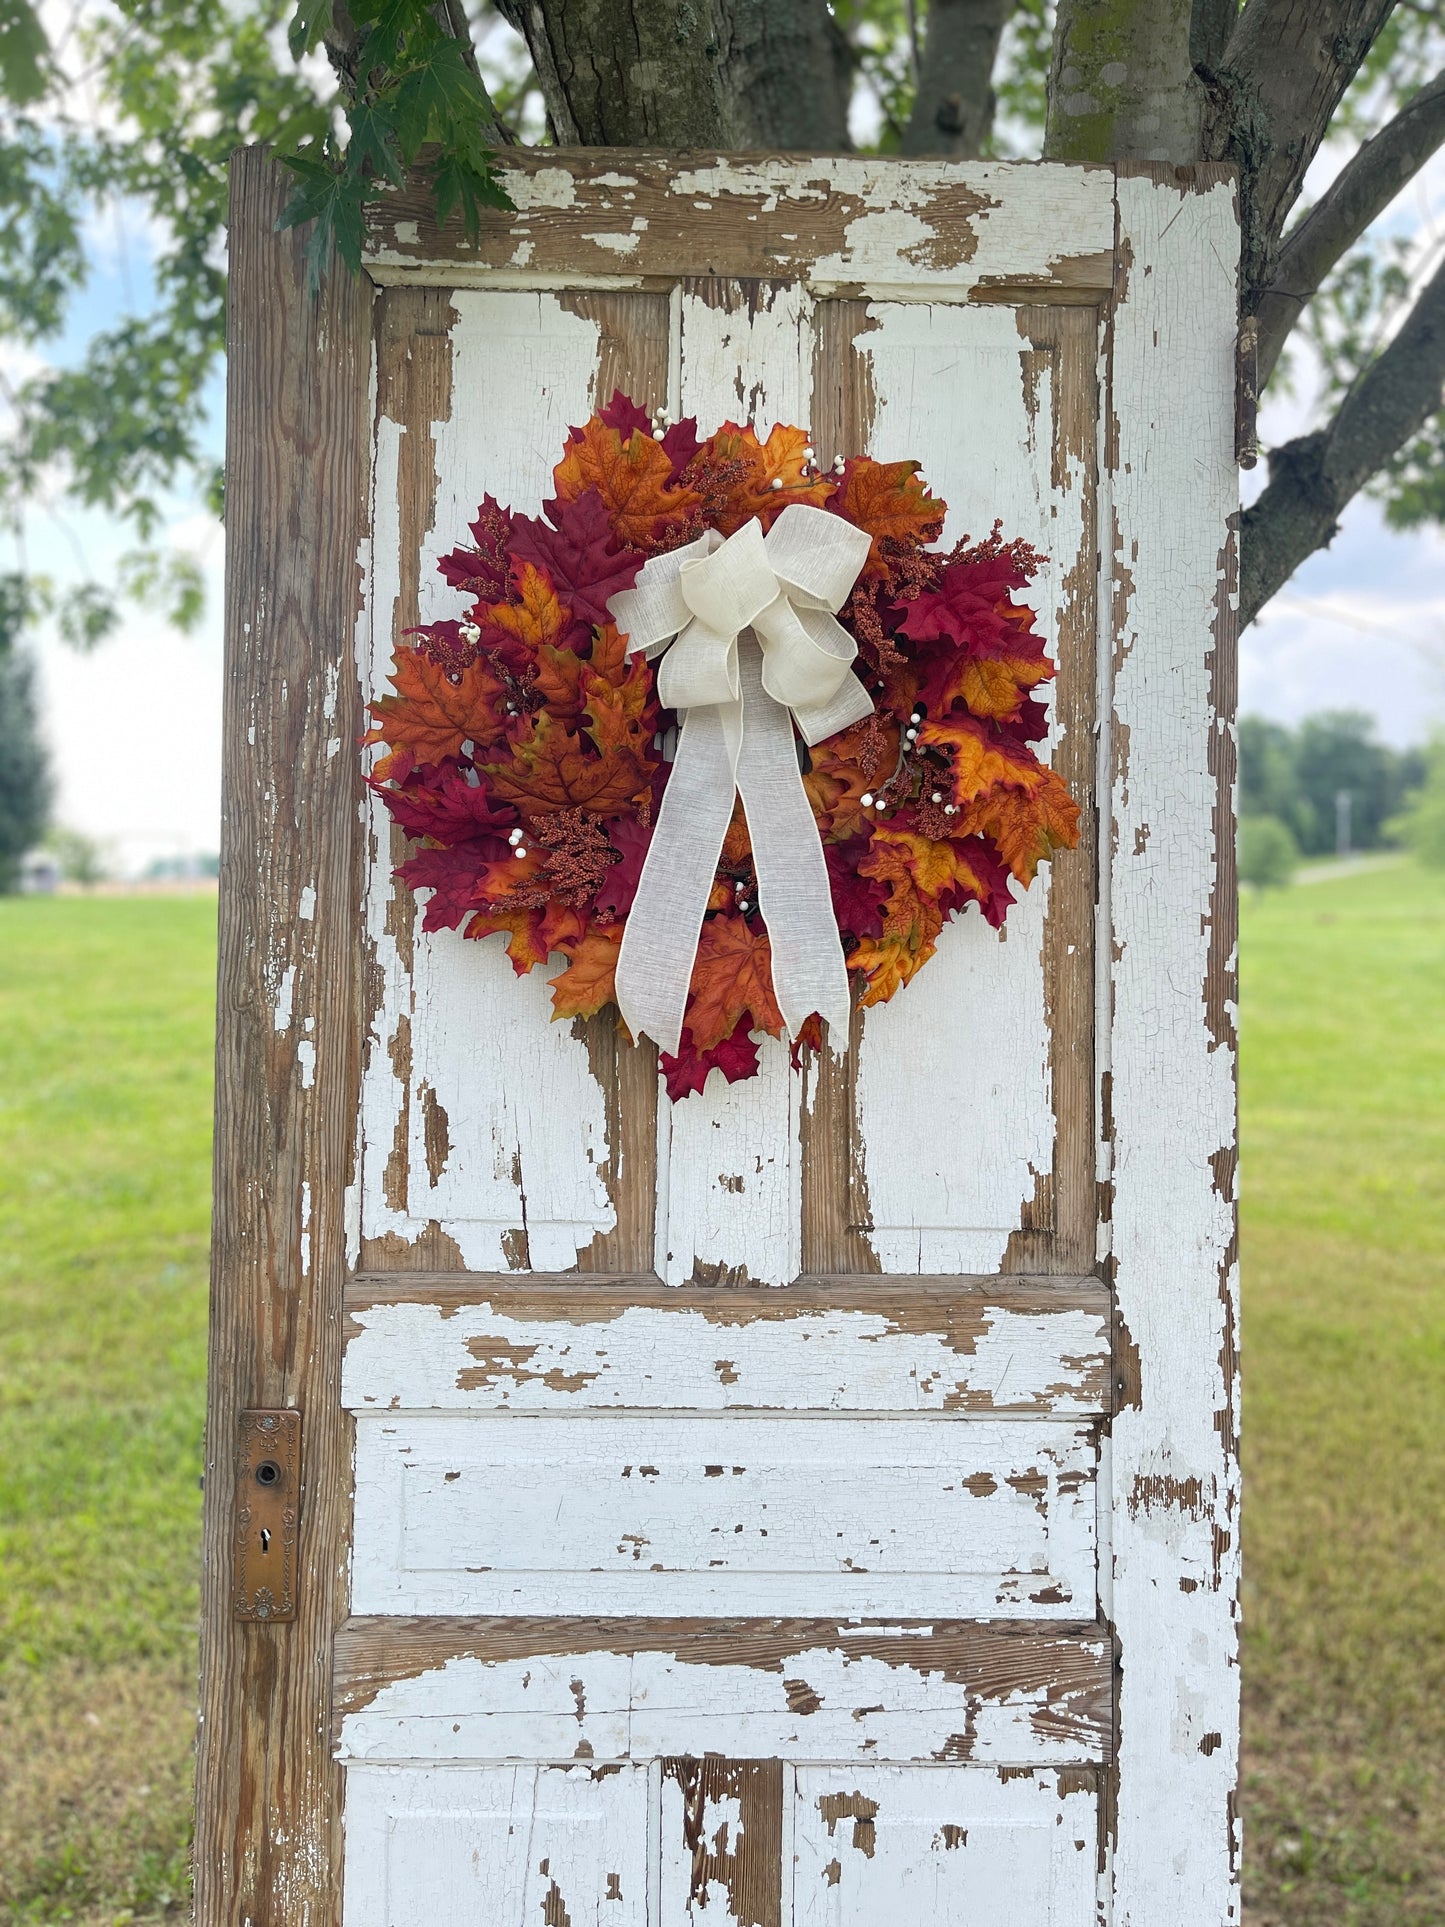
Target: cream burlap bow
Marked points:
752	647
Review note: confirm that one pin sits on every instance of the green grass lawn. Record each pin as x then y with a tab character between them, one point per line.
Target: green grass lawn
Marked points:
105	1064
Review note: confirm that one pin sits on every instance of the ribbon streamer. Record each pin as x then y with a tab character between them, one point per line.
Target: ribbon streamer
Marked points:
752	647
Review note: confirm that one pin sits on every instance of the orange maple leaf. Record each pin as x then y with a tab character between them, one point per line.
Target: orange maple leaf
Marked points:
633	477
732	973
550	770
590	979
432	715
559	682
617	711
996	686
836	784
888	501
887	963
736	473
980	762
924	867
532	934
1025	827
537	617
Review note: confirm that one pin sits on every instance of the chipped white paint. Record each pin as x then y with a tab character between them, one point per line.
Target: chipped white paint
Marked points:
476	1513
1175	1520
500	1845
511	1187
932	1845
820	1702
733	1202
948	1179
919	229
509	1462
484	1358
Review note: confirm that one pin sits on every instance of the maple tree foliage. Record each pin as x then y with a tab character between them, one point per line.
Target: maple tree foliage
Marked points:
521	744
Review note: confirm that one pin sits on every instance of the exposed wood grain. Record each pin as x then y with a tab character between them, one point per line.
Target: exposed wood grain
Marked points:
842	1347
1172	1583
287	1065
632	355
911	1689
413	389
722	1842
1058	1231
835	1212
628	218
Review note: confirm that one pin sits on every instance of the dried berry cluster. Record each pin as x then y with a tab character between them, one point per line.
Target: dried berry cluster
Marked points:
522	745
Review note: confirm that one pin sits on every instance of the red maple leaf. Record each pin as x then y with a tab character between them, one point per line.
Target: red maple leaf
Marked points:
448	808
736	1057
630	839
483	572
857	900
576	547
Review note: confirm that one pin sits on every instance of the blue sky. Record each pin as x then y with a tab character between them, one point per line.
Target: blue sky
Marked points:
134	729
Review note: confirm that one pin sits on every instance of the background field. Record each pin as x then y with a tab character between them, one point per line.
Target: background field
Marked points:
105	1059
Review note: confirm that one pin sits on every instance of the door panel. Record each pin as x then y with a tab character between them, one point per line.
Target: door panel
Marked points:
955	1849
537	1514
497	1844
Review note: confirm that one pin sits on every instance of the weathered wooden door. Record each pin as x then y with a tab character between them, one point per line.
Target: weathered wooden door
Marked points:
814	1502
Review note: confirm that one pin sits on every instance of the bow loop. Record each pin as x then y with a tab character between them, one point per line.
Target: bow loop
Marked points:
752	649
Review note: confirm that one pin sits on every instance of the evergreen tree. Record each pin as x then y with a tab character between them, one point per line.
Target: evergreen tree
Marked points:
24	767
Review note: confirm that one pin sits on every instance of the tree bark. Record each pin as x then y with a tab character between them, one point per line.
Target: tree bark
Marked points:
1364	189
1312	478
689	73
954	107
1287	64
1123	85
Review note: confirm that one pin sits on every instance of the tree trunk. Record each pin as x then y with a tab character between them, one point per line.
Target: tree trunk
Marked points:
1123	86
689	73
953	111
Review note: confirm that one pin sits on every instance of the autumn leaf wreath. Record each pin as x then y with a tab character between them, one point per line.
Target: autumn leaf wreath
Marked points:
526	750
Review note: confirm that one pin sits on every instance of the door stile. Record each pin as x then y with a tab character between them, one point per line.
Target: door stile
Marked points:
1174	1464
287	1064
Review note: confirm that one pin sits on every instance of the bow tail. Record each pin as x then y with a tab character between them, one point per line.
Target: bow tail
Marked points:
809	973
659	942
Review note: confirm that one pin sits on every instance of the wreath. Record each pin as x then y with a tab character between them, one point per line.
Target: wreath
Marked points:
526	750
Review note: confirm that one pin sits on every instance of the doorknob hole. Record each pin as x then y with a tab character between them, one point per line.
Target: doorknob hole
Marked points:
268	1472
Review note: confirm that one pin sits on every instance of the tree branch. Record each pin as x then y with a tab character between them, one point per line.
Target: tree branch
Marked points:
954	105
717	74
1283	74
1364	188
1312	478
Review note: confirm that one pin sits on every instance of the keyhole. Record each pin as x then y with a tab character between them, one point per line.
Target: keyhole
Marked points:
267	1472
265	1540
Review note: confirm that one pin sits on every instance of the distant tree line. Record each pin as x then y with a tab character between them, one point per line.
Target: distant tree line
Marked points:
1330	782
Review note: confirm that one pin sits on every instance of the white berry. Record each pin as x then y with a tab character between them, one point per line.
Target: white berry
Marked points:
777	482
866	799
950	809
937	797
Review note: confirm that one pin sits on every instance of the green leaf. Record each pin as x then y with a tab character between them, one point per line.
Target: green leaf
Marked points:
468	183
438	96
24	52
373	148
333	200
308	25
